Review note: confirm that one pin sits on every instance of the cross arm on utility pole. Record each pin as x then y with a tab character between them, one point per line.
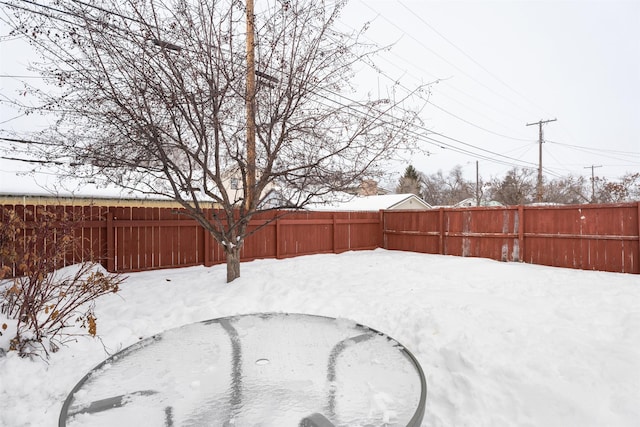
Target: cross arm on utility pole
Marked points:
541	122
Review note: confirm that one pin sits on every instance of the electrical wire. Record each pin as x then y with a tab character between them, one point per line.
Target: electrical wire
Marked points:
597	150
424	21
465	105
427	48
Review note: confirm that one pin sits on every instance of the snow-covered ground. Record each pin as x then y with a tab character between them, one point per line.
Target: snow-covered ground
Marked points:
501	344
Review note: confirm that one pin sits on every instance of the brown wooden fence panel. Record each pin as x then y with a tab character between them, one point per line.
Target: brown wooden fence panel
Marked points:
489	233
94	232
412	231
262	241
302	233
122	239
591	237
356	231
305	234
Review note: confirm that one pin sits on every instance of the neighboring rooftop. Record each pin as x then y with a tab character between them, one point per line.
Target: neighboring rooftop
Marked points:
376	203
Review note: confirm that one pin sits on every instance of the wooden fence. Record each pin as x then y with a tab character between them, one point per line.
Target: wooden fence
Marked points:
593	237
589	237
127	239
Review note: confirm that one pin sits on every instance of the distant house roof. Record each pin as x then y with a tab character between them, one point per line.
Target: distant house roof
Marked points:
376	203
471	202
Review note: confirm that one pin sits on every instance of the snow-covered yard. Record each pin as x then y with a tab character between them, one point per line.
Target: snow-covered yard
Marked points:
501	344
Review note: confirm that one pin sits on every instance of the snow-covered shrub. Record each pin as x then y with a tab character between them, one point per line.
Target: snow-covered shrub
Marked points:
43	304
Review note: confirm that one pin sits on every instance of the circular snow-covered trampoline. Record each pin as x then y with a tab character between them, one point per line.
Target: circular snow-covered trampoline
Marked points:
268	369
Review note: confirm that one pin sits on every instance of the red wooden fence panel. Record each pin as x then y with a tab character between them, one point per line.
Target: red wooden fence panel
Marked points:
356	230
304	233
151	237
597	237
590	237
412	231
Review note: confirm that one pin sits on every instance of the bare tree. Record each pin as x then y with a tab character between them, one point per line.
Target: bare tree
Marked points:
566	190
433	189
516	188
625	189
442	190
154	97
458	187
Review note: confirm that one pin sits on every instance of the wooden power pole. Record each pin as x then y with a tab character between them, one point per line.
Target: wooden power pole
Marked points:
477	184
540	141
593	181
251	108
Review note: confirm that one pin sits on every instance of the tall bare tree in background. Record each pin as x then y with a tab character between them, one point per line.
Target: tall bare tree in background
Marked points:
517	187
624	189
443	190
567	190
151	96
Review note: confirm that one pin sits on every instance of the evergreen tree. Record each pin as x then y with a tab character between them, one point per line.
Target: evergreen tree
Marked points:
410	182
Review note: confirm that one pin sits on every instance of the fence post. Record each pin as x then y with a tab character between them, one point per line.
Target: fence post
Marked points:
334	230
521	254
381	227
637	264
207	247
441	231
111	265
277	239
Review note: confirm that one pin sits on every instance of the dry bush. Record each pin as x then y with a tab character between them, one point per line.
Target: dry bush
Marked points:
45	300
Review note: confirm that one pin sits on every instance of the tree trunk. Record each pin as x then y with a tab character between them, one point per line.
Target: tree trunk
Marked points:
233	264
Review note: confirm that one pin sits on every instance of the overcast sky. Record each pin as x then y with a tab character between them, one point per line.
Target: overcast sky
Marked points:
500	65
504	64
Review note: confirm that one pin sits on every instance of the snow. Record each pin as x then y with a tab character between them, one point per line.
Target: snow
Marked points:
501	344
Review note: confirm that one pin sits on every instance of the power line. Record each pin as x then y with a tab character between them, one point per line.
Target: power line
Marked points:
37	161
111	12
446	111
492	159
10	76
396	82
15	6
469	56
22	141
477	126
490	156
630	159
598	150
12	118
421	43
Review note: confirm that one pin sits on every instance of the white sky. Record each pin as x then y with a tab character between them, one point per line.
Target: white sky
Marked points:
509	63
502	64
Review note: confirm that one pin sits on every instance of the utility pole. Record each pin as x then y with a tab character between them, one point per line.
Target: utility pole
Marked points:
593	182
477	185
540	140
251	108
